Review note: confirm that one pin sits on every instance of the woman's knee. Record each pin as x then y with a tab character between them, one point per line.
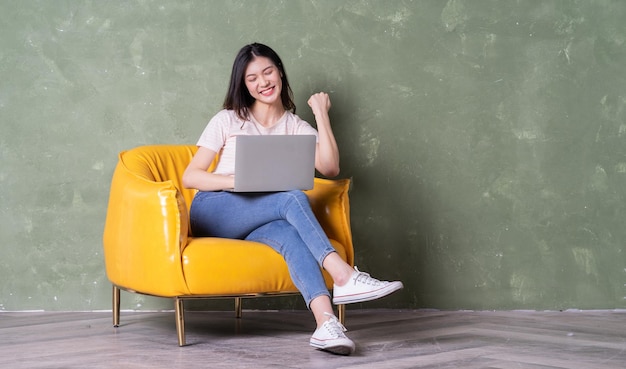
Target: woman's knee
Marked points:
299	198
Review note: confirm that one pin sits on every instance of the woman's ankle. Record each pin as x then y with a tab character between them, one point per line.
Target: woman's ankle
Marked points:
339	270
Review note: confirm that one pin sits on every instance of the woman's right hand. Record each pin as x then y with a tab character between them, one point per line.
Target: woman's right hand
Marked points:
197	177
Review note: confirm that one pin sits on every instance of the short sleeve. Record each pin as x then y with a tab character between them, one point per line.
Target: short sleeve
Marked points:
216	132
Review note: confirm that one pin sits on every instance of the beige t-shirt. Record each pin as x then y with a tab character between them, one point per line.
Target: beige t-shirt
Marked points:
220	135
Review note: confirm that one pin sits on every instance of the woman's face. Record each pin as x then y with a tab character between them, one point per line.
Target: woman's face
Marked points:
263	81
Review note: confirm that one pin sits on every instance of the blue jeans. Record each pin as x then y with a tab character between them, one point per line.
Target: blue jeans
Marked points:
282	220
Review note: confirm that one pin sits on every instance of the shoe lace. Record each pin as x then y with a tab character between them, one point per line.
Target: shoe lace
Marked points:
365	278
333	326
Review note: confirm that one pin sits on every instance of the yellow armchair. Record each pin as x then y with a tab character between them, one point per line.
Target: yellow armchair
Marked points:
148	247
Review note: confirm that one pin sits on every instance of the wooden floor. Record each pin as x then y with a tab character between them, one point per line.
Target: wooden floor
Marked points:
279	339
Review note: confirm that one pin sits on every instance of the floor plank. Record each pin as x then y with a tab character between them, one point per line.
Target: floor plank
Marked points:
279	339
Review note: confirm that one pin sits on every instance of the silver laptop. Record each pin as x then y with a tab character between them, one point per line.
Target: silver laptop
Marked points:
274	163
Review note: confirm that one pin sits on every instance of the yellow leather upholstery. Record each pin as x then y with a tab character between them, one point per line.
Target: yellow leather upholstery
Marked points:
148	247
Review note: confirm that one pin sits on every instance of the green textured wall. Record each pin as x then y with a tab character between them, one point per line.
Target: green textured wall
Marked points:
486	139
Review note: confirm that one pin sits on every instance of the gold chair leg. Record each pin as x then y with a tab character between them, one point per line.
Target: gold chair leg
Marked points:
116	306
180	320
238	307
341	310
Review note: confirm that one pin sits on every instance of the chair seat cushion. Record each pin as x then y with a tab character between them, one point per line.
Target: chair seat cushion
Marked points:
208	267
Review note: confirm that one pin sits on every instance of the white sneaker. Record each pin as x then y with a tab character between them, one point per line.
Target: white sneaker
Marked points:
330	337
362	287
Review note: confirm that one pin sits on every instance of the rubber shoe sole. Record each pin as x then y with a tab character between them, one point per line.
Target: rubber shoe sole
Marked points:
339	348
383	291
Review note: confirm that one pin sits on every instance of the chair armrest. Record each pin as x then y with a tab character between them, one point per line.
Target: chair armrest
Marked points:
331	205
145	230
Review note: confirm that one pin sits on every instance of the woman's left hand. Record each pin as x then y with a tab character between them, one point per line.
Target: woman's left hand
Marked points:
327	153
319	103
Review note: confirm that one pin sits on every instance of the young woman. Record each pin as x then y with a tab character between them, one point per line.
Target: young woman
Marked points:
259	102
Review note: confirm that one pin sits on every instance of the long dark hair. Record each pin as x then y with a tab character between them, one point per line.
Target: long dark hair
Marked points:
238	97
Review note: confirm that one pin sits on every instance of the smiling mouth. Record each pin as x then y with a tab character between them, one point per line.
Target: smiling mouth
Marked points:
267	92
